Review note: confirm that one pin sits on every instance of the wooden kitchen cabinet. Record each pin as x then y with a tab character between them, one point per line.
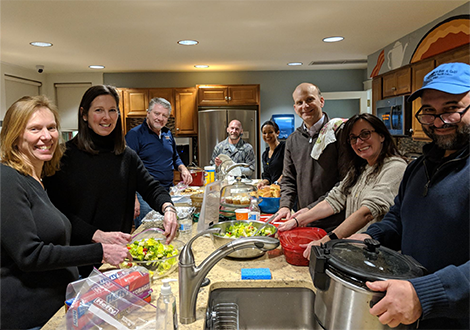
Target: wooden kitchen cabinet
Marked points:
185	111
166	93
136	101
397	82
419	71
222	95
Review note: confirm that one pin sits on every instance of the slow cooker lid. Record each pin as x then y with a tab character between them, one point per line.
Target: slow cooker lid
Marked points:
369	261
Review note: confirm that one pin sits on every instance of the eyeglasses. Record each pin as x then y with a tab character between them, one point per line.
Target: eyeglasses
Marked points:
446	117
364	136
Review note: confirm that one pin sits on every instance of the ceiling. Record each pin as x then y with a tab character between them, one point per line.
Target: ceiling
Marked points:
138	36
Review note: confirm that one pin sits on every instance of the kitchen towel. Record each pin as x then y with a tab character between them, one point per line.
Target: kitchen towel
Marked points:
326	136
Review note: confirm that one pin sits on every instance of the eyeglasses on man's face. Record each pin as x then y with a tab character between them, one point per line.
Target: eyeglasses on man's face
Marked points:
450	117
364	136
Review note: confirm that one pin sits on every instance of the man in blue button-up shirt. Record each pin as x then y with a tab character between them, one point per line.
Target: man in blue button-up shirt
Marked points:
155	145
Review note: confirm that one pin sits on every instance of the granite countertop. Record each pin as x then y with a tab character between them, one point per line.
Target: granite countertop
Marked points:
227	273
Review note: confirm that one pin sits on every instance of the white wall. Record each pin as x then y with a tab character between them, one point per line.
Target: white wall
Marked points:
47	81
19	72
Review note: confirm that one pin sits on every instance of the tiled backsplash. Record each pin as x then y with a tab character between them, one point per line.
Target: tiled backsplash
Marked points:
407	145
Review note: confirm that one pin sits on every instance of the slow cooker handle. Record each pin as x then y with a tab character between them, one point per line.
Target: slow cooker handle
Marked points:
421	268
317	268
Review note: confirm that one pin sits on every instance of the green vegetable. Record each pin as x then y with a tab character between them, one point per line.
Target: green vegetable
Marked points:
243	229
152	250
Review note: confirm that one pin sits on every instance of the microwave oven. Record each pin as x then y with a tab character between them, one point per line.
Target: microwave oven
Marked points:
395	113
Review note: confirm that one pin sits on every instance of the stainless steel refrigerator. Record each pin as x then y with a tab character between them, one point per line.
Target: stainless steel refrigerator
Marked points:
212	129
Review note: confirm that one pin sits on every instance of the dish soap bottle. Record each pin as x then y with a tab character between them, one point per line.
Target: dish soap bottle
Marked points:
254	213
167	318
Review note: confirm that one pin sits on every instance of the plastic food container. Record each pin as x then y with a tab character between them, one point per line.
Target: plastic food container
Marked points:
291	240
269	204
198	176
160	267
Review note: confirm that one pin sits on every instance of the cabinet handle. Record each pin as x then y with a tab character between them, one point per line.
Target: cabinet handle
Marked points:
411	131
230	98
394	88
177	129
226	98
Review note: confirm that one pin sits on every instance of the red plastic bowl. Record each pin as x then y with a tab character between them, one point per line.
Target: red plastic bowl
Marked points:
291	240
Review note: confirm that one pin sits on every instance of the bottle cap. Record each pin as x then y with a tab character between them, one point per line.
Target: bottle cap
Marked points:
165	290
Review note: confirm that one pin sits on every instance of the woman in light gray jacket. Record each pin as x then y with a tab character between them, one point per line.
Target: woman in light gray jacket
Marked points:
368	190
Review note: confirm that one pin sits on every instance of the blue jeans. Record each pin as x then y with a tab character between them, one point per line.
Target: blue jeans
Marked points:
144	209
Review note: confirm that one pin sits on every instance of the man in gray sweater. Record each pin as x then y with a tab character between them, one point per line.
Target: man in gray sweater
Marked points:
306	179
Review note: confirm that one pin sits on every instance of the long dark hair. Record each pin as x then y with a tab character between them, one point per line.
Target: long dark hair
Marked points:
83	139
357	164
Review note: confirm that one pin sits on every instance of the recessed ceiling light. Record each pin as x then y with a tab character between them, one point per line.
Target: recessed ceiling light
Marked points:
188	42
201	66
40	44
333	39
96	66
294	63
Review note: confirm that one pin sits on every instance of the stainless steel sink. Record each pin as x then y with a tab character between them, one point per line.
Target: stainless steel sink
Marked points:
261	308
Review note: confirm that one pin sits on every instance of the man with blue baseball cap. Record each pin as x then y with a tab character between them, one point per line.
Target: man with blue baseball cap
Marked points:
431	216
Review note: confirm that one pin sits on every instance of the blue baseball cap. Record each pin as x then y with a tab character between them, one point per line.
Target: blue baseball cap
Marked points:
452	78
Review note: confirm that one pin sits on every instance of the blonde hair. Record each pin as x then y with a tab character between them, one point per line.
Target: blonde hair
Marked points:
14	125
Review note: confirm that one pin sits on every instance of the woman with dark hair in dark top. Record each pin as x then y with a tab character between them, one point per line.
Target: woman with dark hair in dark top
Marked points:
99	176
273	156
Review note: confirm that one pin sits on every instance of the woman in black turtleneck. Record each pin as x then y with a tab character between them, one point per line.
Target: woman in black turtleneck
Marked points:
99	176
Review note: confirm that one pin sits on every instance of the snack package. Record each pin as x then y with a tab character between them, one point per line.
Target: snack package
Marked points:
105	301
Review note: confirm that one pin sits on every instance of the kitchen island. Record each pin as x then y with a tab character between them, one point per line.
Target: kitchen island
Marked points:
226	273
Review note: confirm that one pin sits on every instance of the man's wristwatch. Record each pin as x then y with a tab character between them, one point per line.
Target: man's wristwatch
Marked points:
332	235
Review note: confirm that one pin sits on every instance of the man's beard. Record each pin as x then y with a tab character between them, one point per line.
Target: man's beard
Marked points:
451	141
234	137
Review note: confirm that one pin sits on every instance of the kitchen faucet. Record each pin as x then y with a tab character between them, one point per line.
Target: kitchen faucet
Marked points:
191	276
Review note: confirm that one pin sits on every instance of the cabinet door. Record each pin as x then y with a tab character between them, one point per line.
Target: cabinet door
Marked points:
208	96
186	111
397	82
403	81
136	101
419	70
166	93
243	95
459	55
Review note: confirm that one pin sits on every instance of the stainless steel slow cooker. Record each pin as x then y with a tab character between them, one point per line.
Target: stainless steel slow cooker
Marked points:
340	269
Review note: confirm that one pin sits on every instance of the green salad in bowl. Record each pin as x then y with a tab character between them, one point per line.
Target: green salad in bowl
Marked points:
148	249
234	229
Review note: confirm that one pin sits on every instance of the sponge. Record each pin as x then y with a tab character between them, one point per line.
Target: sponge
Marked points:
256	274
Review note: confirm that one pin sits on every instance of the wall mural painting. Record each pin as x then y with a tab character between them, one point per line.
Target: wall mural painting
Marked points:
448	34
445	36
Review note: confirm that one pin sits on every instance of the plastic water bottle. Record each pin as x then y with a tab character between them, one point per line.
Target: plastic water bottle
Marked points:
186	228
255	212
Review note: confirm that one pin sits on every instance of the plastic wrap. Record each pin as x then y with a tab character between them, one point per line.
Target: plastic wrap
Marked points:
106	301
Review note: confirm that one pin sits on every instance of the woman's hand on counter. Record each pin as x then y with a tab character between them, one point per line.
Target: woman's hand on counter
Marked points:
114	254
170	222
111	237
